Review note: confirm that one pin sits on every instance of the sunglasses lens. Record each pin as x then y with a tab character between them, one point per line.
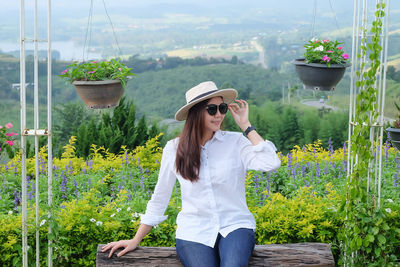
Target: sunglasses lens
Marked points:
223	108
212	109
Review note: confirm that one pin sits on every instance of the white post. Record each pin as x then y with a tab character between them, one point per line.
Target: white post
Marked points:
23	137
36	132
36	127
49	129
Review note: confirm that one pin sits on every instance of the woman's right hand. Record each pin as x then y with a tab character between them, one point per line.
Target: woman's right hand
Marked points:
128	245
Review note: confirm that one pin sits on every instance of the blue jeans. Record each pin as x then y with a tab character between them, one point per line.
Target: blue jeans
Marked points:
233	250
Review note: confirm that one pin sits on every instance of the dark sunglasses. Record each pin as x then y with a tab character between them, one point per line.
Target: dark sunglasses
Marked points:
212	108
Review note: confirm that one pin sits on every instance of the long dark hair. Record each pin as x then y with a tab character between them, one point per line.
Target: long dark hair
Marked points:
188	154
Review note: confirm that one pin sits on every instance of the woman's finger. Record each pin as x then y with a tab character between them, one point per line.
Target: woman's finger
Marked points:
115	247
107	247
123	252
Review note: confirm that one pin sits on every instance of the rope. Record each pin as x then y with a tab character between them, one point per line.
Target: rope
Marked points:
314	16
88	35
112	27
334	13
88	31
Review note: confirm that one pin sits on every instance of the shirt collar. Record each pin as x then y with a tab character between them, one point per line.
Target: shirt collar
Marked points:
219	135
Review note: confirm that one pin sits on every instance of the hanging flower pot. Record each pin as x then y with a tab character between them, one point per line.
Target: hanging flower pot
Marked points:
394	136
100	94
318	76
99	84
323	65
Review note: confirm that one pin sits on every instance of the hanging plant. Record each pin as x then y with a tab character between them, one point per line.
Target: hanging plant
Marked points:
99	83
394	131
323	65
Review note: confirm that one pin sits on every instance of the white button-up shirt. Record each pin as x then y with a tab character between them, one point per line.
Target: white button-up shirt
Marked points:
216	203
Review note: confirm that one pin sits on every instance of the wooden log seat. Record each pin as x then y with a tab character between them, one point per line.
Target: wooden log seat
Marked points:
301	254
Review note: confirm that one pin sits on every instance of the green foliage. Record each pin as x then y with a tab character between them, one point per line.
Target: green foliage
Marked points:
307	217
287	126
115	130
97	71
366	232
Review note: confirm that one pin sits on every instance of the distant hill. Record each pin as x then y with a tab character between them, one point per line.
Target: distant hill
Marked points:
161	93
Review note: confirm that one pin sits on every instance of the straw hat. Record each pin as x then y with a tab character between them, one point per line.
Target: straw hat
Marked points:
203	91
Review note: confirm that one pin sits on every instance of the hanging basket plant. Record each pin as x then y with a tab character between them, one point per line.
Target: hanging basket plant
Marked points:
323	65
394	131
100	84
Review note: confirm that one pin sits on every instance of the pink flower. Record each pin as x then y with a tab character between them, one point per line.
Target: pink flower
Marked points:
120	69
94	62
93	71
345	56
11	143
64	71
326	58
340	48
325	41
11	134
9	125
1	127
329	51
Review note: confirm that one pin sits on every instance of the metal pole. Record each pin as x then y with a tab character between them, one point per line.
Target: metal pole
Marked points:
49	138
36	127
23	138
382	104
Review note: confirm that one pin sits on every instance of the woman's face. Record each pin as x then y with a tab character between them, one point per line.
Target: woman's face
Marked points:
213	123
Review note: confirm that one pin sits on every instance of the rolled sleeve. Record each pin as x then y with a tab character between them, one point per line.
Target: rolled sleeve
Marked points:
261	157
163	190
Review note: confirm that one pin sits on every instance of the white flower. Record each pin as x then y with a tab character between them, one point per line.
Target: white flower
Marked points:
319	48
10	212
118	210
389	200
99	223
92	220
128	209
155	226
135	215
42	222
132	221
388	210
314	39
112	215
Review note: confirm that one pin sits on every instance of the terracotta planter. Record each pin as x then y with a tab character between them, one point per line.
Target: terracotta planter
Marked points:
318	76
394	136
100	94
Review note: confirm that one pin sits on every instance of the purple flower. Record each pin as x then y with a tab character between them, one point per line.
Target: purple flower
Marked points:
330	147
303	171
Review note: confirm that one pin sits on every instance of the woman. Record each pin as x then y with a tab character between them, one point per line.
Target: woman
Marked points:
215	227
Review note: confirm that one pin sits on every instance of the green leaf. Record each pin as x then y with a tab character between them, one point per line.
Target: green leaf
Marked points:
370	238
381	239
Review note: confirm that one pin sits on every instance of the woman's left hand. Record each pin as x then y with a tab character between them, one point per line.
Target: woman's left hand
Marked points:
240	113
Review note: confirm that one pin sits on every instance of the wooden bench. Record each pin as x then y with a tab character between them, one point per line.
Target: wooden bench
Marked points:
301	254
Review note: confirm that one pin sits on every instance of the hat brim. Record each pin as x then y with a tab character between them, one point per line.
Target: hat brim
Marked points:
228	95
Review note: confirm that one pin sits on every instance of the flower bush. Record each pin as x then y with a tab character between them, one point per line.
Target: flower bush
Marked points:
97	71
7	139
100	199
326	52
